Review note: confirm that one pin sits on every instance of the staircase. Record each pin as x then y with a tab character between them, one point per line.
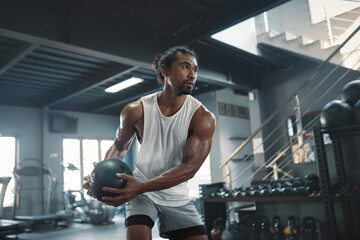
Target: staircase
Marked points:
290	27
337	43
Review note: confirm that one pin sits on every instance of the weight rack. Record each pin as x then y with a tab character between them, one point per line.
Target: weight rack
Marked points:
336	135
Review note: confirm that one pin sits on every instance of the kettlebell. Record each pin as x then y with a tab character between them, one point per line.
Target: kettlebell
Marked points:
265	229
276	229
308	229
227	234
241	231
254	232
290	230
217	229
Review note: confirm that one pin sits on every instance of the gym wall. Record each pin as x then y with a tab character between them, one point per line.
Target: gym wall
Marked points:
26	125
227	127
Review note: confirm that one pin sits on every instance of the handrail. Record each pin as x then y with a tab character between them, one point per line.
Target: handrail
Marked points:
309	108
283	106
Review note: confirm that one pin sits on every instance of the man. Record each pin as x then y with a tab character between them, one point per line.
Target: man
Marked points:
175	131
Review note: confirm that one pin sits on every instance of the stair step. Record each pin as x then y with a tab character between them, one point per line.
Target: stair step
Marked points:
313	49
348	16
341	23
342	19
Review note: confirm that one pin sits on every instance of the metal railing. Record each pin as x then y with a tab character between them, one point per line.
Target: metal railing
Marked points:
321	87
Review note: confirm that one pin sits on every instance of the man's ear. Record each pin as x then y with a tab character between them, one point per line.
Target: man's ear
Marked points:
164	71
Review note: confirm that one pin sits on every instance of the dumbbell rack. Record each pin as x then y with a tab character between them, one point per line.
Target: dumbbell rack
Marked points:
217	207
323	166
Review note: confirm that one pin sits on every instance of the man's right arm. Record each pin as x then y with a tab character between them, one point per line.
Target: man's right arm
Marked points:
130	115
125	134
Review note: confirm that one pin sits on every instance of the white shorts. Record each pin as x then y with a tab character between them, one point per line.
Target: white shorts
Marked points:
174	222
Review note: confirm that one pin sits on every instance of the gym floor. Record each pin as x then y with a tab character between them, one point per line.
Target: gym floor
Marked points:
82	231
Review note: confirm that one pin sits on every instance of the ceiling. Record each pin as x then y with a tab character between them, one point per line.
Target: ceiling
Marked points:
61	55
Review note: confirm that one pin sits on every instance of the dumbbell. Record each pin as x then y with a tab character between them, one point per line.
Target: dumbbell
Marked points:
300	191
277	191
265	191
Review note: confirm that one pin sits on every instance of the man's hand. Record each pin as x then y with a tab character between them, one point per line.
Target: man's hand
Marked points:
87	182
132	188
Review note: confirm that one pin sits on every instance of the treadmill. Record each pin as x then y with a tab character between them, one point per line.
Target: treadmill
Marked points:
8	227
26	172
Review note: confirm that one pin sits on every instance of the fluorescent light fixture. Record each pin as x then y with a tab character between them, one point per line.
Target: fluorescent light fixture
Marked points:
124	84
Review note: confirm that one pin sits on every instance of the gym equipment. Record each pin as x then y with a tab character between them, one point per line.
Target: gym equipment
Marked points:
265	192
286	191
276	192
351	92
84	211
277	229
8	227
222	193
28	173
290	231
237	192
312	183
217	229
209	190
265	233
336	114
356	112
255	193
228	234
241	231
104	175
254	232
308	229
301	191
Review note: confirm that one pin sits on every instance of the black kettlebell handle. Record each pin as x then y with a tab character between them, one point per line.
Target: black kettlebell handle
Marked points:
276	219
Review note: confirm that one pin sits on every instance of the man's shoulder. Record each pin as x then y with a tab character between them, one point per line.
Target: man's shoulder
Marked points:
133	106
202	113
133	111
149	97
203	122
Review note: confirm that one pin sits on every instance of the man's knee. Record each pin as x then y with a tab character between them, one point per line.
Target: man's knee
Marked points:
135	232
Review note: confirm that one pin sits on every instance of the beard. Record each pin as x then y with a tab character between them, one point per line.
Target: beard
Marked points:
186	90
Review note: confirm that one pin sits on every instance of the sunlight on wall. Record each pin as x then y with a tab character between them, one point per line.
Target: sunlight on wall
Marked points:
7	156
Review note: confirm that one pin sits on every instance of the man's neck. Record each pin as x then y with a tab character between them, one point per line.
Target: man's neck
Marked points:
169	103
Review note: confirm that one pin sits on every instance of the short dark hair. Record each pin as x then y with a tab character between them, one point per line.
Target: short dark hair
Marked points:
167	59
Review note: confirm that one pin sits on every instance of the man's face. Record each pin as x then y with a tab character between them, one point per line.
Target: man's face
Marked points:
182	74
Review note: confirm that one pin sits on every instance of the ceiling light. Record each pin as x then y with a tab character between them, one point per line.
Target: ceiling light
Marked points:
124	84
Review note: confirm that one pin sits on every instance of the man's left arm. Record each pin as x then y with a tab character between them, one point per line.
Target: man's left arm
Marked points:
196	149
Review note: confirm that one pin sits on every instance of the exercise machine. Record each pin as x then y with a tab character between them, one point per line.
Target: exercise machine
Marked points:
88	211
8	227
31	177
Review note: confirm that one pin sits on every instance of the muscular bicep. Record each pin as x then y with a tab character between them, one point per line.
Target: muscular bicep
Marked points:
198	145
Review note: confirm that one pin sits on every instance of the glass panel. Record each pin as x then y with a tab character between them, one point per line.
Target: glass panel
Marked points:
105	145
91	155
7	156
203	176
71	162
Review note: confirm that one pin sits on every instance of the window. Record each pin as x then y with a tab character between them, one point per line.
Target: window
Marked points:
8	157
71	162
203	176
78	158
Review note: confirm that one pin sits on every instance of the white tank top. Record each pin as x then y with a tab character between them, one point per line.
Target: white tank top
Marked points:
162	147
